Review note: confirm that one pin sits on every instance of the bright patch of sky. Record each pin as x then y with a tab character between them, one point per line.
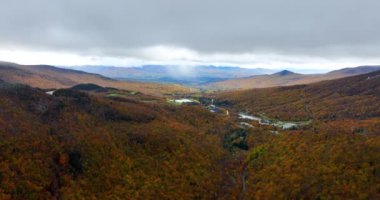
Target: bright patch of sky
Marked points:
182	57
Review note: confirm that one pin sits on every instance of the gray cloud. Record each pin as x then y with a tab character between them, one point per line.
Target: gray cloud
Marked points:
325	28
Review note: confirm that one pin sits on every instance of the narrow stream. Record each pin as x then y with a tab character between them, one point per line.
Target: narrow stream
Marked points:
243	185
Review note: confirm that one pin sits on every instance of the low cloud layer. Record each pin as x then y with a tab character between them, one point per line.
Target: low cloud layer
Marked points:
240	32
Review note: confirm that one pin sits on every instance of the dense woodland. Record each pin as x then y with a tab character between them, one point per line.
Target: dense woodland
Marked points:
344	104
87	143
305	165
76	146
335	157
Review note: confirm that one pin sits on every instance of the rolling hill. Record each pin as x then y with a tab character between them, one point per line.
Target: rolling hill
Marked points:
323	160
49	77
287	78
94	142
74	145
355	97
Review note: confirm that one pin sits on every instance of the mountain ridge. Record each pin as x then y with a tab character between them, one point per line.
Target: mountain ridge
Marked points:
50	77
287	78
284	73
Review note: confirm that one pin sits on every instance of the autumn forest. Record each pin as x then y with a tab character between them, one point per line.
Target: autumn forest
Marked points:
88	141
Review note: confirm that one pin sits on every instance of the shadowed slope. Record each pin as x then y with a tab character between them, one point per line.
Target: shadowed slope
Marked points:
72	145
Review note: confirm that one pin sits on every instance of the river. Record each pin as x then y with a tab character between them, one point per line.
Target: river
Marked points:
286	125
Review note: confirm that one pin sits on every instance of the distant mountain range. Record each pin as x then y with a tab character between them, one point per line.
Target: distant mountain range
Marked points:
206	77
50	77
188	75
219	77
286	78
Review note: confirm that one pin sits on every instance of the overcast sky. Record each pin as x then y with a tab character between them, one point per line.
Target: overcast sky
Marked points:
323	34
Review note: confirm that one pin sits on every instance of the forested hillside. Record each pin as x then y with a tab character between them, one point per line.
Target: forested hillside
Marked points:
335	156
77	146
355	97
93	142
306	165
